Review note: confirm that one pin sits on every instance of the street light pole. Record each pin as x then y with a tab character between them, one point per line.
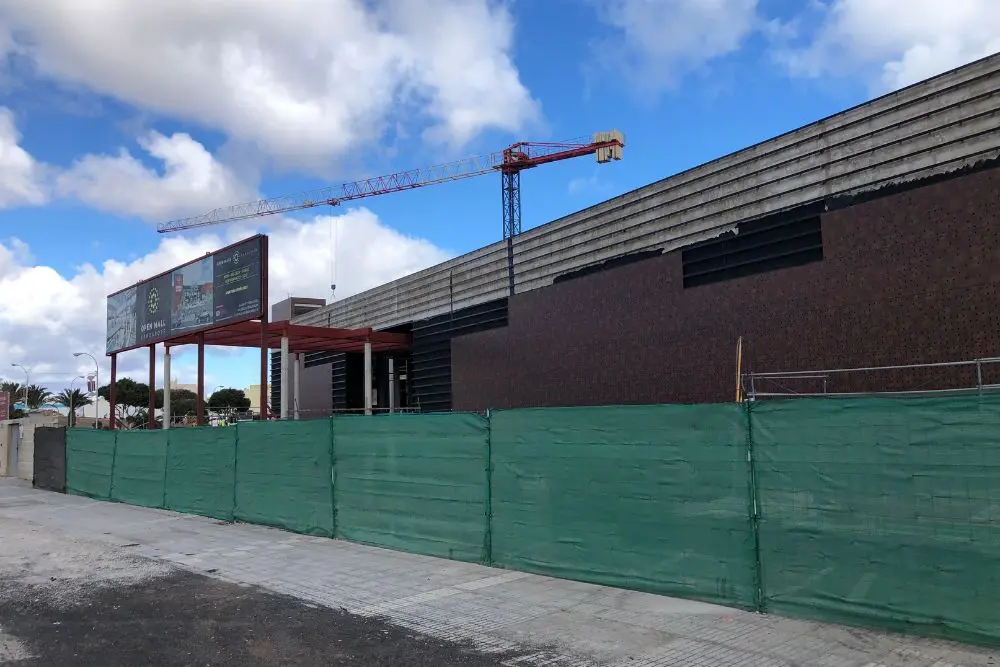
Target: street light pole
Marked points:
72	391
27	383
97	383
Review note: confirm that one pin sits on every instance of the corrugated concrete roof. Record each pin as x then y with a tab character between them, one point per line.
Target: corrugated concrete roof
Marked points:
932	127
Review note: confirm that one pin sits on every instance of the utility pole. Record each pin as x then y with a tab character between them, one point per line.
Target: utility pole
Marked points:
97	383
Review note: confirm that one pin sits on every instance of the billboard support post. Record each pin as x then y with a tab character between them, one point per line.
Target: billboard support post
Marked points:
166	386
152	387
113	394
264	348
201	379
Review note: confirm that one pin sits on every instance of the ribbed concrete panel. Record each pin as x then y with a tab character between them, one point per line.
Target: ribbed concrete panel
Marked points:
933	127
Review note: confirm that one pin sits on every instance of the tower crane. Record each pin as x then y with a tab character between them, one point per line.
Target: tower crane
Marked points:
510	162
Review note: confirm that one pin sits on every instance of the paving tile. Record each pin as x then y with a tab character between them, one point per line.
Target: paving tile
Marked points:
561	623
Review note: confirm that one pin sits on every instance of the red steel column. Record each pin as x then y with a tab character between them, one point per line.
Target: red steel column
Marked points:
264	348
113	393
200	410
152	387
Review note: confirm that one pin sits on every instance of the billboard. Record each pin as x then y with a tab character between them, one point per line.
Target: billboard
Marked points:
217	289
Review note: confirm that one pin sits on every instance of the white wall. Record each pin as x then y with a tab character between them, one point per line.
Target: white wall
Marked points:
5	449
25	464
26	451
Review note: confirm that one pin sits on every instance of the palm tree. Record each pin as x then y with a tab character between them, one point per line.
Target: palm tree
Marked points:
15	390
73	400
16	393
37	396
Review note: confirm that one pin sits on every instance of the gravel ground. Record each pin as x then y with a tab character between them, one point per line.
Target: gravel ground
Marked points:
70	603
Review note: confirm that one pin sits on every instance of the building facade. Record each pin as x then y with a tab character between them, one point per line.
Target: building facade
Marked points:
868	238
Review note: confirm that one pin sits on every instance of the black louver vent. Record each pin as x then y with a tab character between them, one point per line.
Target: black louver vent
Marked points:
431	360
768	244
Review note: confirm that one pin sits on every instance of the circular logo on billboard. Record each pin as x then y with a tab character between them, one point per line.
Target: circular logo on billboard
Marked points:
153	300
236	257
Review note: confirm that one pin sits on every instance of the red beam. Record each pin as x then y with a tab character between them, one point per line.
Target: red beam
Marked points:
200	401
264	314
152	388
301	338
113	393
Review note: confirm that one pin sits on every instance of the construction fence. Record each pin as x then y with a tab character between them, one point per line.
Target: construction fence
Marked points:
879	512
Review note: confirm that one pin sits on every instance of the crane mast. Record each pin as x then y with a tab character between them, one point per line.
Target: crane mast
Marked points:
510	162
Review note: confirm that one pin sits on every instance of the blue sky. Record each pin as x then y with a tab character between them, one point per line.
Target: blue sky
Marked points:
117	115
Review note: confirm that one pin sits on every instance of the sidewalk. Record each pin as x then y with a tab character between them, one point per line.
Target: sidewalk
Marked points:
569	624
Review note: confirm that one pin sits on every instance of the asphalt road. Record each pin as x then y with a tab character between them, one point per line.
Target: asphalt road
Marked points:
187	619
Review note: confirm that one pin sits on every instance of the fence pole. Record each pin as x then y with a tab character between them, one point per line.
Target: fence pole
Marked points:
236	462
114	461
166	466
333	479
488	500
754	509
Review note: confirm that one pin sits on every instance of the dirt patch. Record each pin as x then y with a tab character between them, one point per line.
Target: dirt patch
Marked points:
12	650
62	570
187	619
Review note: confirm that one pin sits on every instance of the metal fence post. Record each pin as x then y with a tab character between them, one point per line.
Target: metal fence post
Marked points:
236	463
166	467
114	461
333	477
488	500
754	509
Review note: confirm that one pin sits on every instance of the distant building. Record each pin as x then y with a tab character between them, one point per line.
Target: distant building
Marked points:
253	393
174	386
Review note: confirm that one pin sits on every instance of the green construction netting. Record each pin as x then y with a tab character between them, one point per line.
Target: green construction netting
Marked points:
140	468
413	482
90	456
882	511
654	498
283	475
200	467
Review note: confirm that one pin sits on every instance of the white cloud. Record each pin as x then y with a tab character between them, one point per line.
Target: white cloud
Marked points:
304	81
21	177
898	42
658	41
192	180
45	316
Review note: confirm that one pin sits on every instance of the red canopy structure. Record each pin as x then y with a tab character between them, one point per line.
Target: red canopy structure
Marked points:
300	338
282	335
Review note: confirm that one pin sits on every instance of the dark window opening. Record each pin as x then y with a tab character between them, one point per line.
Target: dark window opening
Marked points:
759	246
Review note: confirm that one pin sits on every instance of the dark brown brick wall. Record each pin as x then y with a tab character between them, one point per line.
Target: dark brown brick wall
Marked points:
907	278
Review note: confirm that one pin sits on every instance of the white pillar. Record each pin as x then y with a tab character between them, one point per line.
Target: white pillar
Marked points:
97	397
392	385
166	388
368	377
299	360
285	384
